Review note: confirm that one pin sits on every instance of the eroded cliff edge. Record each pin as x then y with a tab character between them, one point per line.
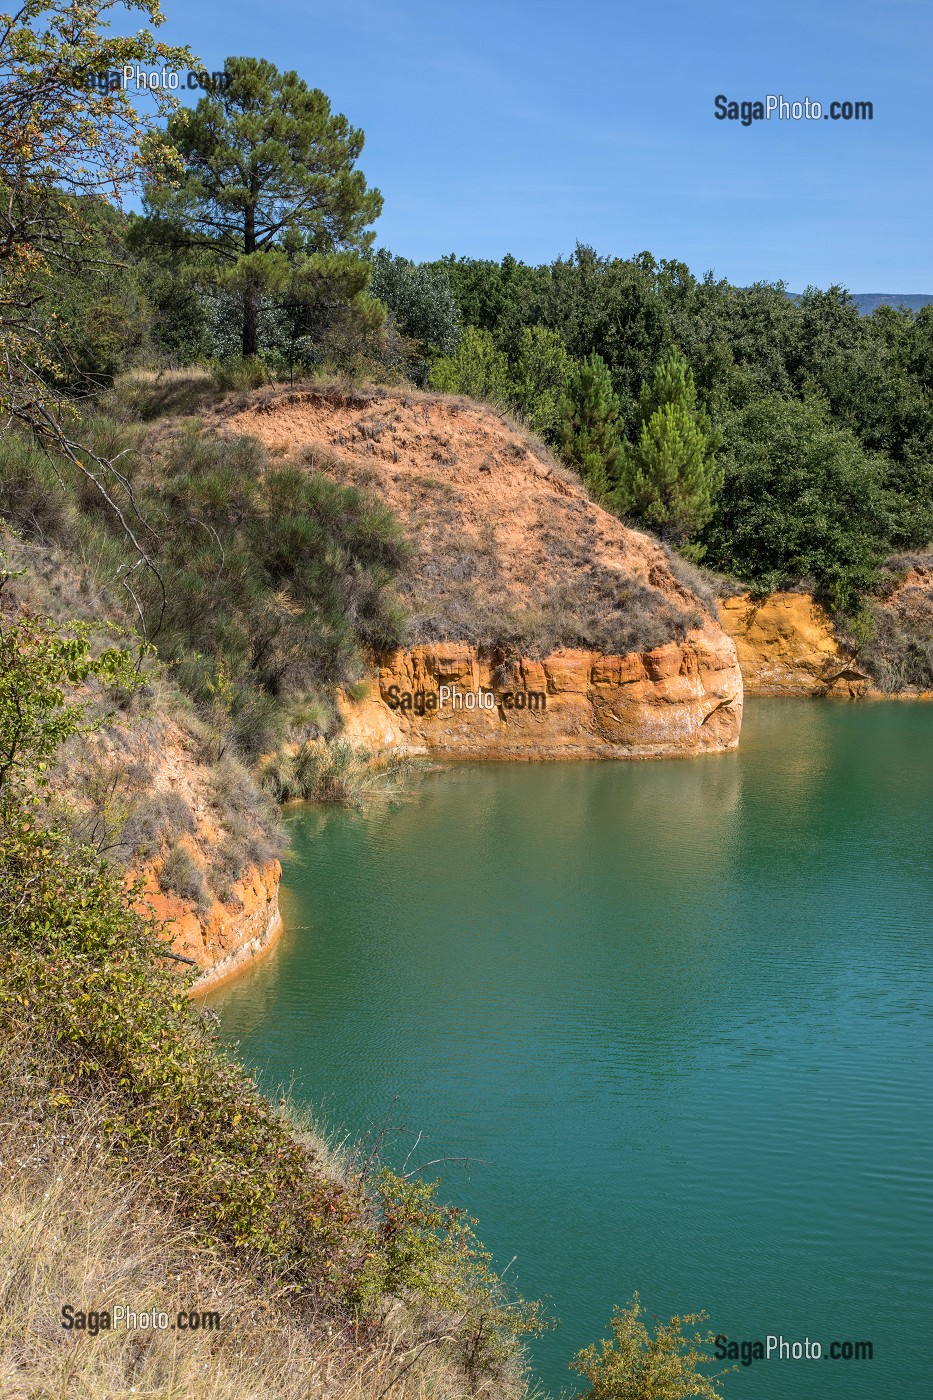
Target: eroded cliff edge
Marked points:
517	582
227	936
787	645
678	700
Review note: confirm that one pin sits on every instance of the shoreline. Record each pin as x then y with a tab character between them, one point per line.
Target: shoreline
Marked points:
241	959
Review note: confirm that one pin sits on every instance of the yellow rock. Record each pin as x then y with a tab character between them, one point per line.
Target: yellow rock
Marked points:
786	646
680	699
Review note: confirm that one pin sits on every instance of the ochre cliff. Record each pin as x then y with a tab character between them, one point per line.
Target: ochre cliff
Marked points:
786	646
677	700
227	936
511	560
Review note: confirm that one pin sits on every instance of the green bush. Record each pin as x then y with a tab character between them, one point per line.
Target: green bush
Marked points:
637	1364
539	376
801	501
476	369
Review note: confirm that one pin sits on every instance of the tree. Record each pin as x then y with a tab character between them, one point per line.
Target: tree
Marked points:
419	297
589	433
636	1365
476	369
271	193
539	378
669	476
801	500
64	147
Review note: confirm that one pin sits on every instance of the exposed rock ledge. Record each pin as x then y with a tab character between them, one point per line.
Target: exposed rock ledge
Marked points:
678	700
786	646
227	937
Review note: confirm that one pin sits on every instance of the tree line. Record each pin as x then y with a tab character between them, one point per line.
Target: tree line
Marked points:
777	440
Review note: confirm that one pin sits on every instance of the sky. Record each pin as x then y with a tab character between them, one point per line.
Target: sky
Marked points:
504	126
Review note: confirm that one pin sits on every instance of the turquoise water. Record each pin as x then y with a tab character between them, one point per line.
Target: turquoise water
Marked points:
677	1014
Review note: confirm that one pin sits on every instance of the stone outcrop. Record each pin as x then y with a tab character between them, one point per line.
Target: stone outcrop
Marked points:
786	646
229	935
677	700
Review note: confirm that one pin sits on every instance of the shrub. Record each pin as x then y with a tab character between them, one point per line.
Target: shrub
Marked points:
800	499
898	649
33	496
476	369
181	875
640	1365
539	377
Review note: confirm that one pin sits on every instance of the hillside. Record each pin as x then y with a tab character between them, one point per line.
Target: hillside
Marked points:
515	579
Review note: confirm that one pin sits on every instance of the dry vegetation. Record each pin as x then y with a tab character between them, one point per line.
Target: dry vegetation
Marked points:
153	785
506	545
898	653
79	1231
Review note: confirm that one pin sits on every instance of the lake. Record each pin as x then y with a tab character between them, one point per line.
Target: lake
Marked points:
675	1014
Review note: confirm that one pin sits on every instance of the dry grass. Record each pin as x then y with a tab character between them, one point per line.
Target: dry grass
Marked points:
145	395
506	546
75	1231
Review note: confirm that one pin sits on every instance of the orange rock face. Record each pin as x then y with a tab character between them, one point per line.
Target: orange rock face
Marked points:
786	646
228	936
680	699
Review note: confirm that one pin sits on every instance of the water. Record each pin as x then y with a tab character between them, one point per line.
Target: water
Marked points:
678	1014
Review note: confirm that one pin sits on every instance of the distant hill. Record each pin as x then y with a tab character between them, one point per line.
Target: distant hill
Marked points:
867	301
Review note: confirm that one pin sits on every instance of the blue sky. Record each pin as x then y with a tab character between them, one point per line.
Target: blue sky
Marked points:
500	126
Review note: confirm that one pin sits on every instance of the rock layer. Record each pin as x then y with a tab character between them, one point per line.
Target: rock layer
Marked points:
227	937
786	646
677	700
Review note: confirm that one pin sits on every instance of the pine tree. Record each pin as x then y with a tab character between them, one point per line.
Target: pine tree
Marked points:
270	194
669	477
590	434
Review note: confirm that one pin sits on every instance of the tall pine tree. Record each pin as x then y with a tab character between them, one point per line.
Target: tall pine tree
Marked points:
669	478
590	434
270	195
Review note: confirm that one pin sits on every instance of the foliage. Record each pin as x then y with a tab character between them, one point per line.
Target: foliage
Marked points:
37	667
430	1250
476	369
100	323
270	581
893	635
589	433
315	770
669	478
744	346
801	501
637	1364
539	376
420	302
62	143
270	199
85	994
